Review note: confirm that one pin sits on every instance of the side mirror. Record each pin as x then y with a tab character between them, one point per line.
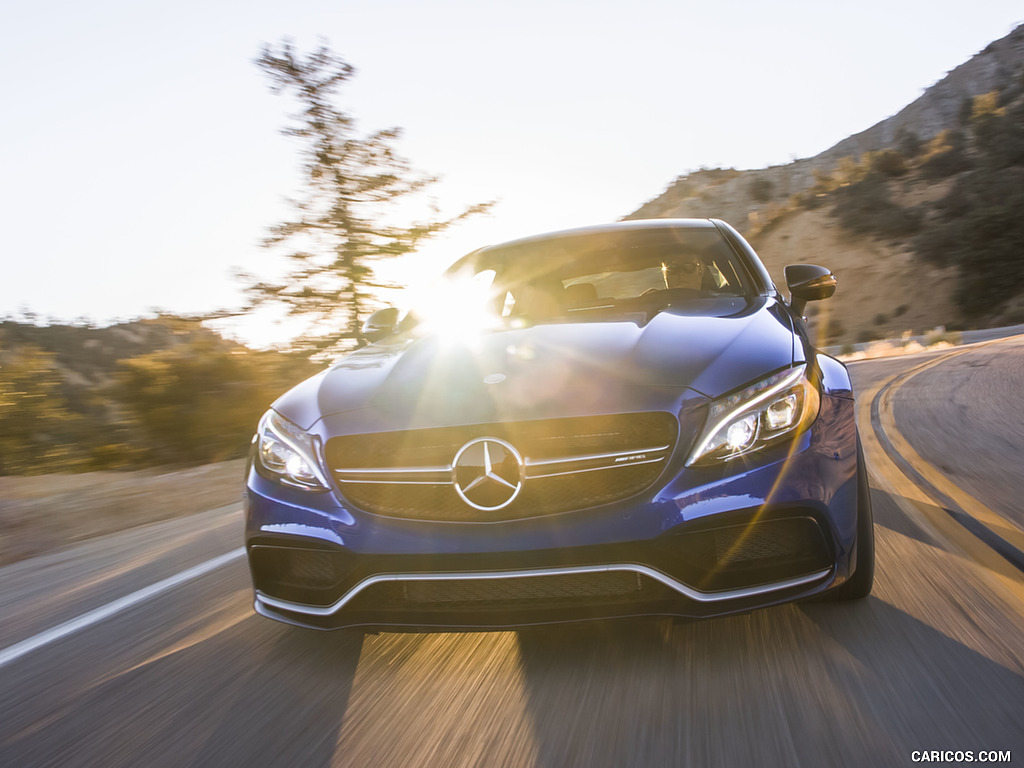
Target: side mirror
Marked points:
380	324
808	282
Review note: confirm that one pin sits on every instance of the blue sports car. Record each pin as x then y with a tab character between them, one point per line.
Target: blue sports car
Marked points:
618	421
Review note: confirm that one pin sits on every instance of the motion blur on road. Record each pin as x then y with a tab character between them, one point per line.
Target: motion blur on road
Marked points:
932	661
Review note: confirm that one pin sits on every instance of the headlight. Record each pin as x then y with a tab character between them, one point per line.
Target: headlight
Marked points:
748	420
286	453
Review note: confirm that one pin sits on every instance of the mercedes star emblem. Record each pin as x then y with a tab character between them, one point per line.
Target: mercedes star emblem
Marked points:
488	473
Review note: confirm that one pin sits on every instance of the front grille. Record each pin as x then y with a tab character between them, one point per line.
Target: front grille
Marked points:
739	544
555	587
311	576
754	552
567	464
524	592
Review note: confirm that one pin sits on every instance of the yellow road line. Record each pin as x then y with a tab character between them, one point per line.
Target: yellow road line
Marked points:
919	503
1005	529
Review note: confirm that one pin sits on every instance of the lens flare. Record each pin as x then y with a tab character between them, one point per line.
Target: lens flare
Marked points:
456	310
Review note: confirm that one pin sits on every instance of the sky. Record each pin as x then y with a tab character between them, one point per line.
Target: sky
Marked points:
141	158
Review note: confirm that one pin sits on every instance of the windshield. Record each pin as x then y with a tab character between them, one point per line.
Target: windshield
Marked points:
578	275
589	275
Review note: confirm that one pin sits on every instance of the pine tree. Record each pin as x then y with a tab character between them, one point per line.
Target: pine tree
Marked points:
345	220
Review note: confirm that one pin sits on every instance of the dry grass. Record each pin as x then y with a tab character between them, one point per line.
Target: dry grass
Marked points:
883	288
47	512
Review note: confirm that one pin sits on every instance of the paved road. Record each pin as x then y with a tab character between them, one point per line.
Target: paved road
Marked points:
965	415
934	660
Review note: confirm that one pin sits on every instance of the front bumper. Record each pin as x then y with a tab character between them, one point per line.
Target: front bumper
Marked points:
530	608
778	527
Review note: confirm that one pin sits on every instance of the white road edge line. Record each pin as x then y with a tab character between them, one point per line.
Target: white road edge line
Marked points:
16	651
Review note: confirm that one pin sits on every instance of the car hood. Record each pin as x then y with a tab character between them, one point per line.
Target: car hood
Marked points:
550	370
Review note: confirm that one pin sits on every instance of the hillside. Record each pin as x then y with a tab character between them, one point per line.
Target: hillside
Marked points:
795	213
87	355
162	391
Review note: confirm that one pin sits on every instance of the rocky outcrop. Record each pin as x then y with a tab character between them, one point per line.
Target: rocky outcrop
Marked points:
749	198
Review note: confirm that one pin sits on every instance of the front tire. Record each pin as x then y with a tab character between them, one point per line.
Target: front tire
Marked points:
859	585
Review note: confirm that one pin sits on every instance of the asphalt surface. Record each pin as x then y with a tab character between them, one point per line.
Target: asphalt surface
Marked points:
933	660
977	396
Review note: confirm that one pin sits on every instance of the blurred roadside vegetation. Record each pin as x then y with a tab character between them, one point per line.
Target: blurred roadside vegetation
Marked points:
154	392
974	226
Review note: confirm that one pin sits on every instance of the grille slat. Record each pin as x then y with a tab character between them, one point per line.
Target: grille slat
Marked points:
569	464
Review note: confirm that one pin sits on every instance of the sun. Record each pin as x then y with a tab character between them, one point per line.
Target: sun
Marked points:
457	308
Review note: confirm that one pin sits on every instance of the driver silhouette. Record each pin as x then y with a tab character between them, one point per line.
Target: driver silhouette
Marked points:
686	272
